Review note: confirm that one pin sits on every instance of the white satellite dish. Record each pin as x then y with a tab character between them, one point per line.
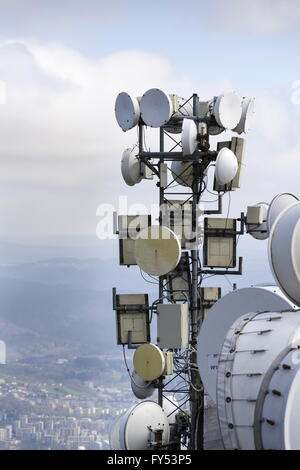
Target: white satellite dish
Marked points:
141	388
246	120
219	318
131	167
226	166
149	362
127	111
189	137
227	110
278	205
157	250
284	251
134	430
260	232
156	107
182	172
258	383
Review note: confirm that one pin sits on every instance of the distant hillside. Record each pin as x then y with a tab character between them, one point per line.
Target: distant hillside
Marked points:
61	306
35	316
90	273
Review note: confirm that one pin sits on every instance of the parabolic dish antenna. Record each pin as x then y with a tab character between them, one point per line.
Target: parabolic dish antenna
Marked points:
284	252
189	137
228	110
221	316
156	108
134	430
246	120
182	172
127	111
258	382
226	166
260	232
149	362
278	205
141	388
157	250
131	167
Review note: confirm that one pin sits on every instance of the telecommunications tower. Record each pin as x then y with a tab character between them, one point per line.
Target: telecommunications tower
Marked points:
188	244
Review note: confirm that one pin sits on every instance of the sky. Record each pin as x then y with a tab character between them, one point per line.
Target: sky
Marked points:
62	63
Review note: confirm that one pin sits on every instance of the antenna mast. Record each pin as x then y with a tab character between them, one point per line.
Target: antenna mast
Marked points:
192	155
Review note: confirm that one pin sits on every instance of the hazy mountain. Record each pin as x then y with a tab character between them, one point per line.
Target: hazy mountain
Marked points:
88	273
62	305
33	312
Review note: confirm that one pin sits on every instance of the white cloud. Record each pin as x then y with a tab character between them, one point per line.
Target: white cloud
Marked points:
257	16
61	147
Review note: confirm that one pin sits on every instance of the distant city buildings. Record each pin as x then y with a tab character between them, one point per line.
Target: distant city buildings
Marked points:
59	419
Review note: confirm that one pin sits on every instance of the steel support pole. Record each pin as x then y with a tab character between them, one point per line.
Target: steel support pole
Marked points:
161	285
197	428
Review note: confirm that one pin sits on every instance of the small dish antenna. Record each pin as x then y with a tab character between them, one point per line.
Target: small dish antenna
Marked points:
156	107
246	120
284	251
141	388
226	166
227	110
278	205
157	250
189	137
135	429
149	362
127	111
131	167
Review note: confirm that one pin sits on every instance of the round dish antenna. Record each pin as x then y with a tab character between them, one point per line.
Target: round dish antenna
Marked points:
226	166
141	388
278	205
227	110
131	167
246	120
189	137
127	111
219	319
136	428
156	107
157	250
284	252
149	362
